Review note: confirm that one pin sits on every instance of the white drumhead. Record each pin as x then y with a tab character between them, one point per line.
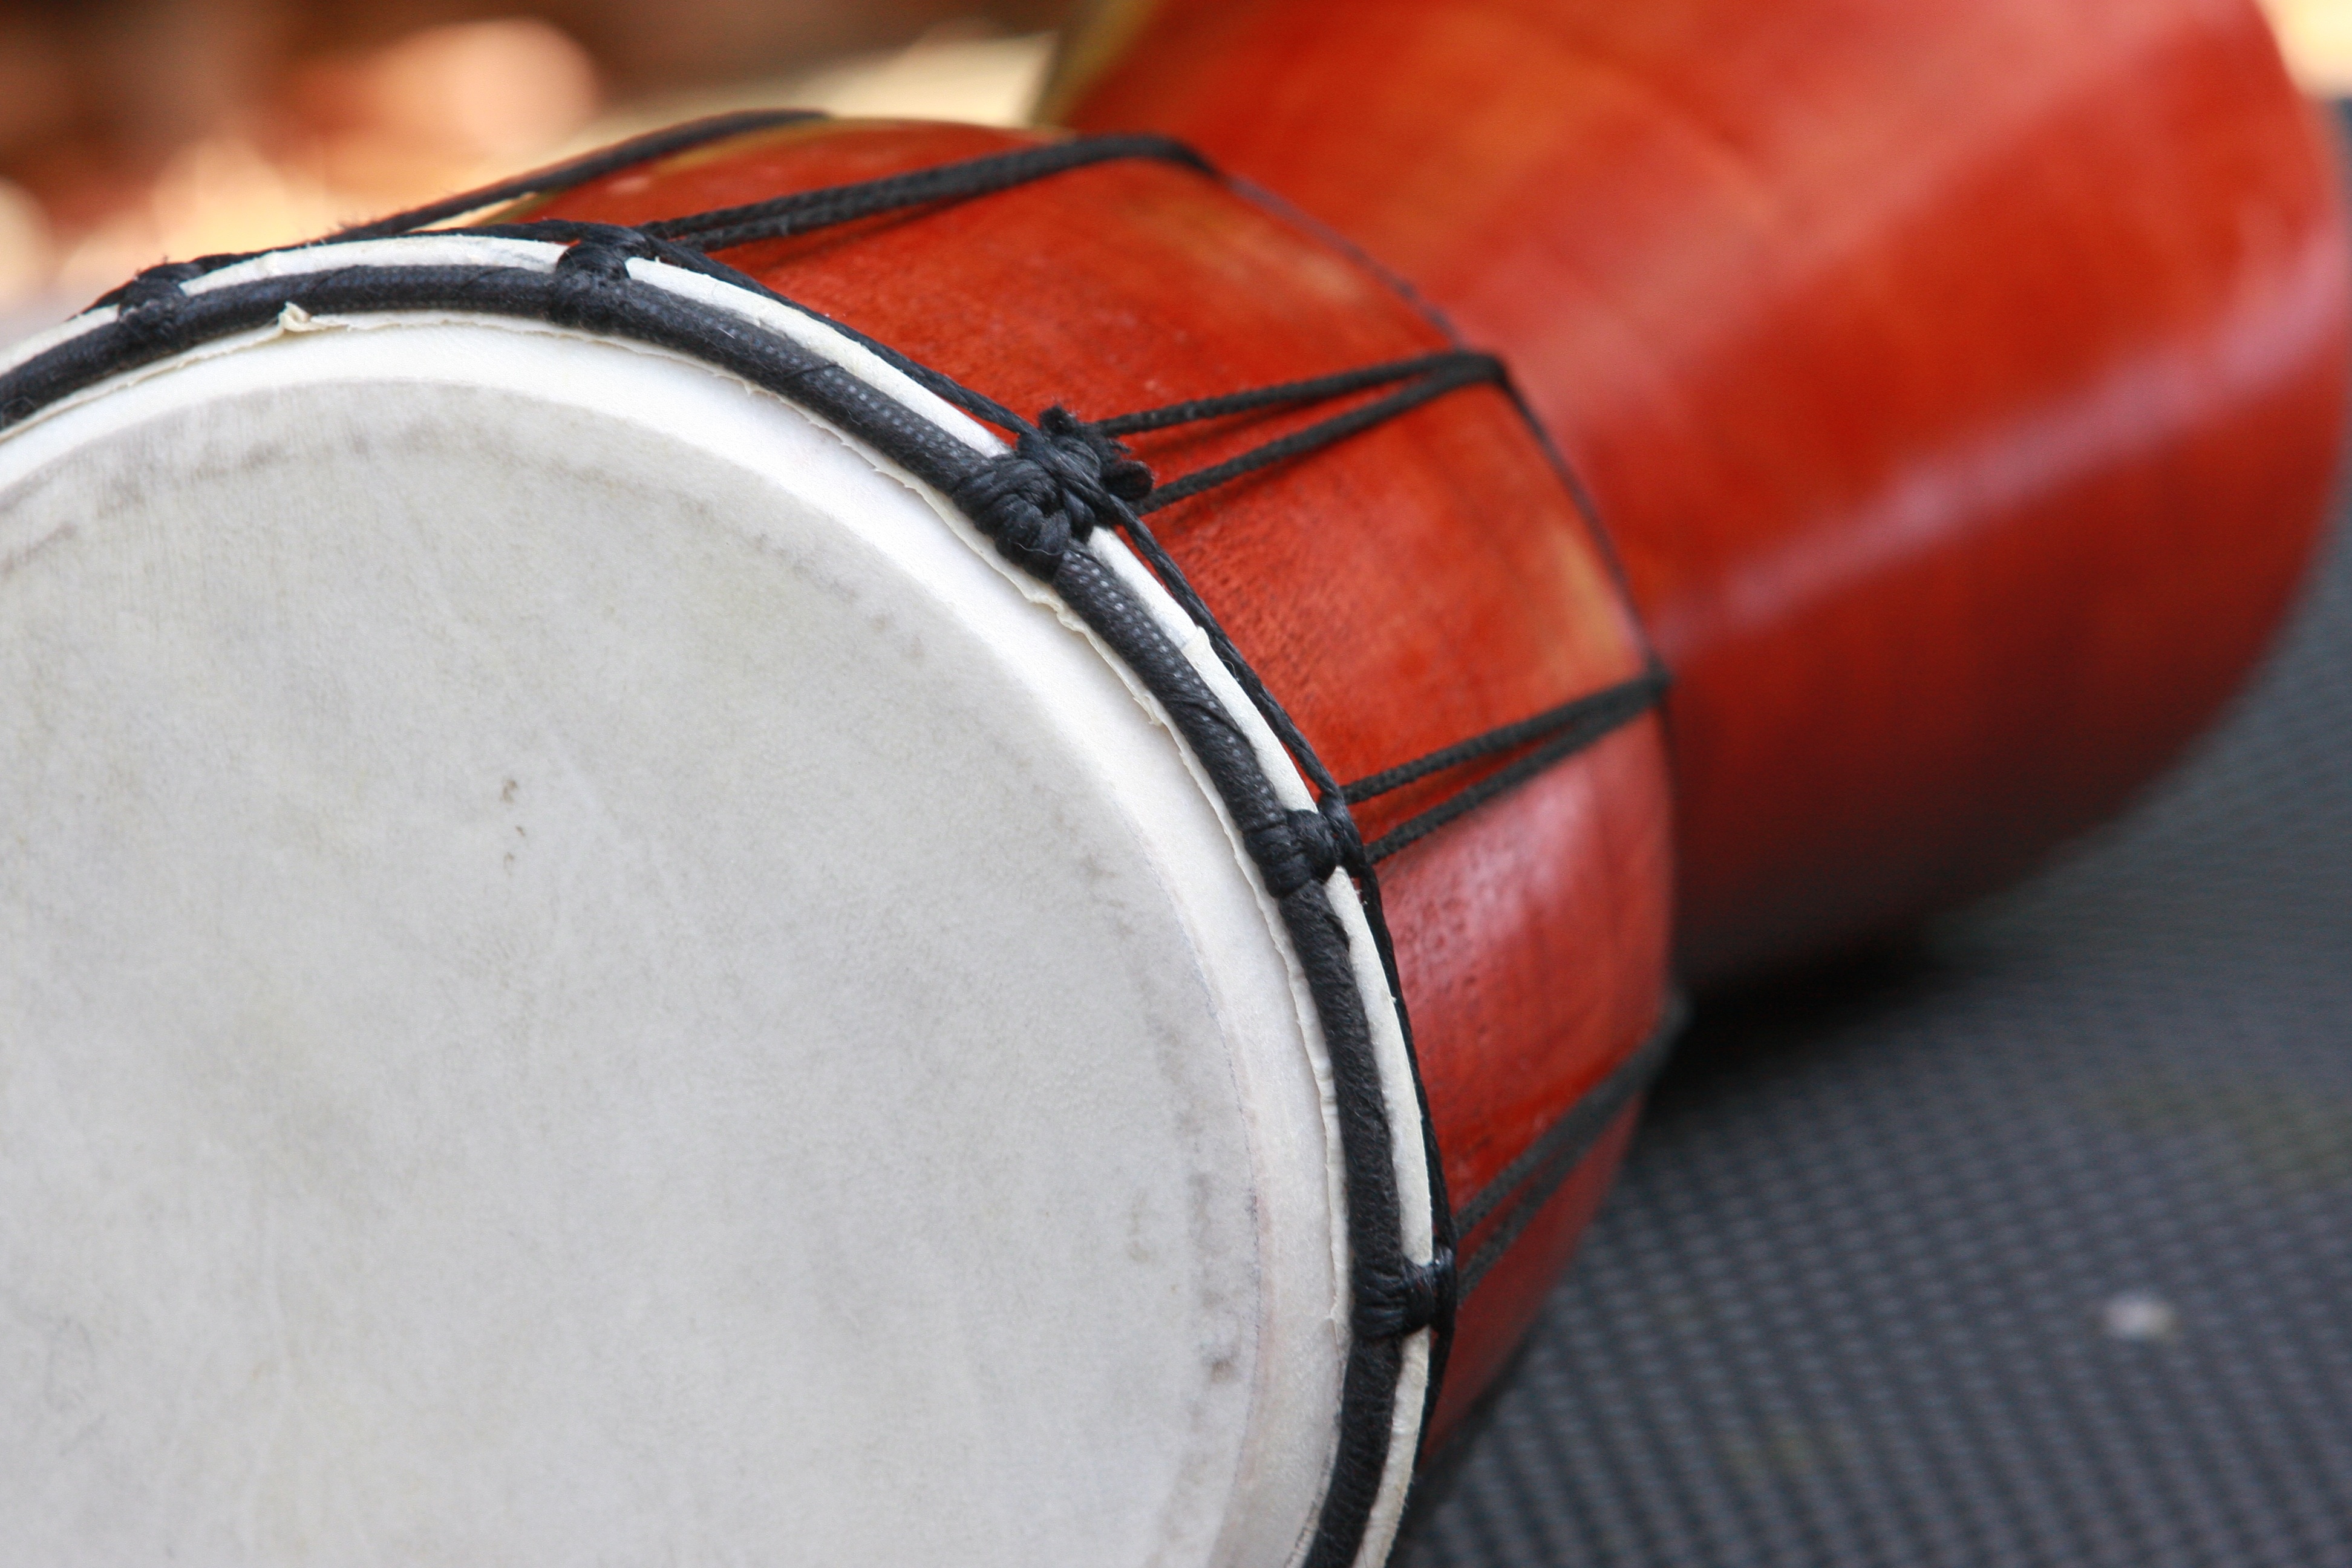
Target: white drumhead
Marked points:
584	978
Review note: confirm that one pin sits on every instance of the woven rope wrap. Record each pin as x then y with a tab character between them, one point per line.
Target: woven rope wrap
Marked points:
1060	483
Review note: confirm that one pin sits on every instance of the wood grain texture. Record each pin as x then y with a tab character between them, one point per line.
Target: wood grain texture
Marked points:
1405	590
1962	380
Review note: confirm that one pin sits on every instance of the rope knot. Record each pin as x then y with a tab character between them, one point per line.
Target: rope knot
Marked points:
1059	483
149	305
590	276
1391	1307
1091	457
1347	844
1296	849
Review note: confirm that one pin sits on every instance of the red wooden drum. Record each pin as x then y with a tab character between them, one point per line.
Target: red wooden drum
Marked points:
629	938
1962	379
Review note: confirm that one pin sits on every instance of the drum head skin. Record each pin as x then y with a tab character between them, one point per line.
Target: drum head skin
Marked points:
589	977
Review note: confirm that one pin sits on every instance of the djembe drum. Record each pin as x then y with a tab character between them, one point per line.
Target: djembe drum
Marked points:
1962	380
985	881
643	923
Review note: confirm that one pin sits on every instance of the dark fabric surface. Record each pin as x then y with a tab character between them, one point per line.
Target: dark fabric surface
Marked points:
2031	1245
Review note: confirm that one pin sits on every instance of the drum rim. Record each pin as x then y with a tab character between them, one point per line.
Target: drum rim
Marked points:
1390	1192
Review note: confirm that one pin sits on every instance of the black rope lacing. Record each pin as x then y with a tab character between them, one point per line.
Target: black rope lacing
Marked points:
1064	477
1039	502
804	212
577	171
1090	452
1564	732
1521	1189
1425	376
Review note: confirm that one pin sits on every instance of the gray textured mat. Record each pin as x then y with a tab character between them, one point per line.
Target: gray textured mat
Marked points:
2034	1246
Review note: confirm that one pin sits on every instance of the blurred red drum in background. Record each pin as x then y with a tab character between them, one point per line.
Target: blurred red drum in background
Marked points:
1962	380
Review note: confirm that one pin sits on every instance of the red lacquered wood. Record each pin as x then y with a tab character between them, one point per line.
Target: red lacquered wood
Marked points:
1401	592
1960	379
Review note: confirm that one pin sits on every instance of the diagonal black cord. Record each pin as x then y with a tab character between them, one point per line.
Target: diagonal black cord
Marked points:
1451	373
1520	1189
1315	389
1594	714
1180	588
1621	706
575	172
805	210
1565	729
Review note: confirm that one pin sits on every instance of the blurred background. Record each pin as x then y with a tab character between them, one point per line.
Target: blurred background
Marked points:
134	130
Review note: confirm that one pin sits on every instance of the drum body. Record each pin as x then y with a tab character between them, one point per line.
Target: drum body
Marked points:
589	965
1960	381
